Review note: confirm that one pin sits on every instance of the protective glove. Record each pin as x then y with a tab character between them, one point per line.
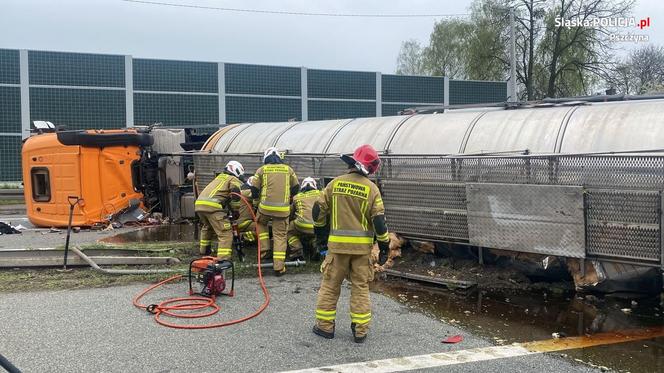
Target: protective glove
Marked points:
384	248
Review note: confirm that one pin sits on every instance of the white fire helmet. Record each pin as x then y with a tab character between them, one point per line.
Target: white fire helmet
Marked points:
269	151
235	168
309	182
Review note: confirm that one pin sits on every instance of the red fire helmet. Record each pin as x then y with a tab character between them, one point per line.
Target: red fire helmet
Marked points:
365	158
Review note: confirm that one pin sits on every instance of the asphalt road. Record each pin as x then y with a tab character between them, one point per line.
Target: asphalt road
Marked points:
98	330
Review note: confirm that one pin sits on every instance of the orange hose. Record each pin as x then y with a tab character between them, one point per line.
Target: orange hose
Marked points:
170	306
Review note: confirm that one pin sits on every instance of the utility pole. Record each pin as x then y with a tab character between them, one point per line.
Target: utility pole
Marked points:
512	86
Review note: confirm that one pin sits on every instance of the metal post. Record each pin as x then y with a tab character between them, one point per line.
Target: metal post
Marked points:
73	201
446	91
304	93
480	254
25	93
512	86
129	91
221	78
379	94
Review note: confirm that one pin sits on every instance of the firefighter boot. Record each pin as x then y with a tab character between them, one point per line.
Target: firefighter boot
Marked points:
356	338
323	333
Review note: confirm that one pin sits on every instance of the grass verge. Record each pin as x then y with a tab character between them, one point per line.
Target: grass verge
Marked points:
39	279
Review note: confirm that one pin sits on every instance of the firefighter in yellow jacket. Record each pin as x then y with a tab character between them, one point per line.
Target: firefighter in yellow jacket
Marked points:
243	213
301	228
212	208
349	212
274	185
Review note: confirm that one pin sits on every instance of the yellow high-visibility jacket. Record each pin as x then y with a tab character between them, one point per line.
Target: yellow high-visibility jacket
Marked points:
216	194
350	202
274	181
303	204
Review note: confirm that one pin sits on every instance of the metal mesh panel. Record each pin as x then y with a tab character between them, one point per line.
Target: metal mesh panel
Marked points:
422	89
174	109
341	84
624	241
322	110
432	223
262	109
424	194
9	66
476	92
10	158
78	108
623	206
262	80
79	69
175	76
624	224
10	109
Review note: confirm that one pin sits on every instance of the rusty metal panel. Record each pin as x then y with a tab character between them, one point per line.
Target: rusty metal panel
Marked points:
542	219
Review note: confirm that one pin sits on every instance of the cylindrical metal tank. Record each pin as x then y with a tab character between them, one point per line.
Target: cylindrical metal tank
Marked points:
589	127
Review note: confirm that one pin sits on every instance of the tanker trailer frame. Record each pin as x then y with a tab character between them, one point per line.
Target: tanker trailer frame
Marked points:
602	209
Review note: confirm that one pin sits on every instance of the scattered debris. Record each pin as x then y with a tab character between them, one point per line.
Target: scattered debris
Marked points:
453	339
423	246
626	310
396	243
450	283
8	229
76	229
54	230
558	335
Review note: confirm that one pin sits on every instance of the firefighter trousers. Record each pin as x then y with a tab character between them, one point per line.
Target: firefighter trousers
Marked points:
279	234
246	228
216	223
296	239
335	268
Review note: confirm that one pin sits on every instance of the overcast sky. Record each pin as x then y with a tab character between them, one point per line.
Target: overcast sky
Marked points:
142	30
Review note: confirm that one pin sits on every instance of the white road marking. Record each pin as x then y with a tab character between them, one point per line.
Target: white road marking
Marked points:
438	359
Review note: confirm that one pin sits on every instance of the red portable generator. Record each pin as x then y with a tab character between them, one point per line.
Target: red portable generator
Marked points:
210	272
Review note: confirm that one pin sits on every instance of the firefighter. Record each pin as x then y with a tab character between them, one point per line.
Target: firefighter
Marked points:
212	208
347	215
302	226
242	212
274	185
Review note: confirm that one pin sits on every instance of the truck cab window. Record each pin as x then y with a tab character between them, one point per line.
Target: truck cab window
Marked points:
41	184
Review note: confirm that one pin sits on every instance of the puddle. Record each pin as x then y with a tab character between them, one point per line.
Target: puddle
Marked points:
522	317
160	233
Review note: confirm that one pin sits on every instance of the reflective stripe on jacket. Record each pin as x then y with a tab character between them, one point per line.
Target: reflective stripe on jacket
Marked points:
215	195
349	203
303	204
274	182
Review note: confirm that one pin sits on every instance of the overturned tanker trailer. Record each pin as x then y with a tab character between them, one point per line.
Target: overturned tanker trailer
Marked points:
577	183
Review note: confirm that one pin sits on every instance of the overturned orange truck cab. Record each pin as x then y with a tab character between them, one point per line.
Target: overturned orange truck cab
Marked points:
98	166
